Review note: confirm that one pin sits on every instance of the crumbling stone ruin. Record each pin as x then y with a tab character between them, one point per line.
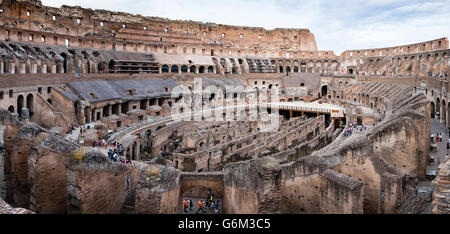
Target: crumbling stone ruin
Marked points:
194	106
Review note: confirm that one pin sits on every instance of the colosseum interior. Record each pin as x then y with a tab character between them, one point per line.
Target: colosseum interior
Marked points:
259	117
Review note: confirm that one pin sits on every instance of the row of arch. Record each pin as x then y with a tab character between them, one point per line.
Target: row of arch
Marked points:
21	102
431	64
186	69
440	110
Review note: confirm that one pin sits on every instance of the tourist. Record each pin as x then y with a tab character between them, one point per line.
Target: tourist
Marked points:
191	204
185	205
200	207
437	137
208	197
440	137
448	143
211	200
213	205
115	157
110	154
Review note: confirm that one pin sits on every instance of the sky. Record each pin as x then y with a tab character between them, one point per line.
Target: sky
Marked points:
337	25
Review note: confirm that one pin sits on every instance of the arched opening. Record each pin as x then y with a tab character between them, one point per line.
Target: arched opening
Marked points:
165	69
65	64
281	69
211	69
350	71
302	84
148	134
11	109
111	66
193	69
288	70
201	69
433	110
174	69
295	69
87	114
444	113
234	71
30	104
324	90
184	69
19	105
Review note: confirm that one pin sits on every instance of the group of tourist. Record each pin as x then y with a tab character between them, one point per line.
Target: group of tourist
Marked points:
203	205
116	154
439	137
354	127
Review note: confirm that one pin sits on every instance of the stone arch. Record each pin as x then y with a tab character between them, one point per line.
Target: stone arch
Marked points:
210	69
193	69
65	63
433	110
30	104
20	104
201	69
174	69
164	68
11	109
184	69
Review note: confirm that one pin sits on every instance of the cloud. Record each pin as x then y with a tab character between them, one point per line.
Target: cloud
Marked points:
337	25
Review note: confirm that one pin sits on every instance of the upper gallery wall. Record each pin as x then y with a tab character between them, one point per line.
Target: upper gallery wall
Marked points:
101	29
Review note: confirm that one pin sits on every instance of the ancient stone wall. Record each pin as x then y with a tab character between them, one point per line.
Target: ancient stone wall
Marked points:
96	185
47	116
441	187
195	185
252	187
158	190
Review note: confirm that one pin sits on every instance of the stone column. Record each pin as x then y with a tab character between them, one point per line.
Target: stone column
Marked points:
109	110
44	68
22	67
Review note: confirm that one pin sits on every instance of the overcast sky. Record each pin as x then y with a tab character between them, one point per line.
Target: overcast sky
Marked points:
337	25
